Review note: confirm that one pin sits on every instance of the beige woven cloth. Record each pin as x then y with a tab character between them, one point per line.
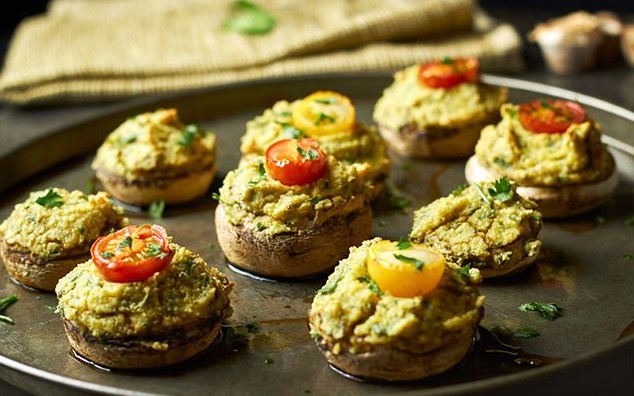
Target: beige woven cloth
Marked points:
98	50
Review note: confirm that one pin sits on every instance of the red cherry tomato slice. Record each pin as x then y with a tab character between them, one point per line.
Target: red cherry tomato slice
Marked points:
551	116
132	254
295	161
449	72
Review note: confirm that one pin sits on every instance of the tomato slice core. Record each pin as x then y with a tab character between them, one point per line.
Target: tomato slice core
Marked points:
132	254
409	272
448	73
295	161
324	113
551	116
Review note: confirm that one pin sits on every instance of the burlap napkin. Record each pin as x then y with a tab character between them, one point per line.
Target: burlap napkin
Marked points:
97	50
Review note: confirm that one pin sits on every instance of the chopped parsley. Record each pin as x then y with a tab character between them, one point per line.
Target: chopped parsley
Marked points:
372	285
627	256
125	243
90	186
404	243
549	311
501	189
447	60
259	226
463	272
154	250
4	303
544	104
410	260
325	117
188	136
512	112
261	174
525	332
311	154
482	194
501	162
249	18
156	208
107	255
326	101
459	189
293	132
328	288
126	139
50	200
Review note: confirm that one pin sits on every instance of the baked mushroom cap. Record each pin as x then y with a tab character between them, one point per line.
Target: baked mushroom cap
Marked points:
555	201
390	364
435	142
142	353
302	253
35	271
172	189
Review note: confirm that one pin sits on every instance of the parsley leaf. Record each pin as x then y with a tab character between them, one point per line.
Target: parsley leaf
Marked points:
125	243
125	139
106	255
372	285
482	194
326	101
525	332
311	154
249	18
410	260
328	288
156	208
261	174
463	272
4	303
188	136
549	311
447	60
501	189
459	189
154	249
50	200
324	117
404	243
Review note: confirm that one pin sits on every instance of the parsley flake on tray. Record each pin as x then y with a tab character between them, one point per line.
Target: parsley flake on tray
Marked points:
549	311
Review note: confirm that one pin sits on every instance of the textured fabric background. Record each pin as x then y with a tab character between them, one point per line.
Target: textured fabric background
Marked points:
96	50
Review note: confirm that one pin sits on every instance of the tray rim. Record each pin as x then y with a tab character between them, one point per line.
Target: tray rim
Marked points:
486	385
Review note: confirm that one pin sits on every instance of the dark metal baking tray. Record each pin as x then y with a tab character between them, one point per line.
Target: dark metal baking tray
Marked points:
586	267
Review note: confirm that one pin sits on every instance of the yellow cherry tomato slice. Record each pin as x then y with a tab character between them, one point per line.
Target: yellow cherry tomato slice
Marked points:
324	113
413	271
